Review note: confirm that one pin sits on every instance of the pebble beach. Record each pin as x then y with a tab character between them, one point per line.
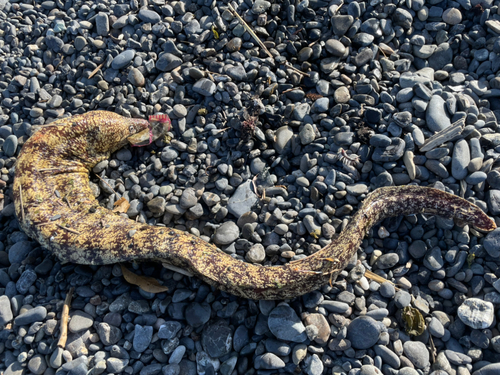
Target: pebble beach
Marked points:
285	116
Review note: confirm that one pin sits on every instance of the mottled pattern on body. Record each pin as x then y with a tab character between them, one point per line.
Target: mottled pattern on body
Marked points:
52	179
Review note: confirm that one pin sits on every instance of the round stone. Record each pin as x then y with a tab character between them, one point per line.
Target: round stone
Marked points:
226	233
234	45
417	353
217	339
256	254
452	16
387	261
204	87
342	95
387	289
136	78
179	110
335	47
197	314
363	332
102	24
476	313
37	364
80	42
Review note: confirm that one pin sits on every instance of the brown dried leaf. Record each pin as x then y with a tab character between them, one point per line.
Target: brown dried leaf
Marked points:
148	284
313	96
121	206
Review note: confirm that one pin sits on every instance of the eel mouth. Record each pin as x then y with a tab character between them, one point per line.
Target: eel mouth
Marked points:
158	126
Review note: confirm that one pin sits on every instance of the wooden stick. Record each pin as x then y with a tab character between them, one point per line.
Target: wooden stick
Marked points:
296	70
250	31
22	205
94	72
433	347
379	279
444	135
293	88
99	177
64	319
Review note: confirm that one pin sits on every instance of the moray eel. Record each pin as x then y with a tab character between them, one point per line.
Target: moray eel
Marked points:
55	205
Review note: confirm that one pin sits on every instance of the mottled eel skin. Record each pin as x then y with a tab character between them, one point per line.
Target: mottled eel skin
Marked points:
52	178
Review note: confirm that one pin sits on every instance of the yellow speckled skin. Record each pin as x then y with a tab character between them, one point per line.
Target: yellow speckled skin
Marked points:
60	157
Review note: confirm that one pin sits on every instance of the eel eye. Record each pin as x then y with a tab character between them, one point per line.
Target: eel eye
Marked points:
131	129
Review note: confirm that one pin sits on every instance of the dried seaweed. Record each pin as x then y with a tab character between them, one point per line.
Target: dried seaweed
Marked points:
414	321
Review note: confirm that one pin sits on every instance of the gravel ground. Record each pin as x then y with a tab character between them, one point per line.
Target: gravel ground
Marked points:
270	154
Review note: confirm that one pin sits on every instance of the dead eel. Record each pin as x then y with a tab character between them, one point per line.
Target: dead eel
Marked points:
55	206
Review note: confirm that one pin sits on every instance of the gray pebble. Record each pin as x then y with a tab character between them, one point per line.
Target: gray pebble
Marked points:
285	324
37	314
5	311
436	117
417	353
80	321
142	337
226	233
476	313
123	59
217	339
363	332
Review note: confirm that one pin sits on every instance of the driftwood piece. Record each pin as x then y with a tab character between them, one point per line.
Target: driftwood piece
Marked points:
64	319
444	135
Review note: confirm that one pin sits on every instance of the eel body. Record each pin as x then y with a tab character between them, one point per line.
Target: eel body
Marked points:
55	205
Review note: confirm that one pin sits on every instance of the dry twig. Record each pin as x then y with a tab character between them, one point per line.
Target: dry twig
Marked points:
64	319
296	70
250	31
100	178
379	279
94	72
68	229
433	348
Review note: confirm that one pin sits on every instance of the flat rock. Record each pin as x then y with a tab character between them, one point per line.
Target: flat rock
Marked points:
36	314
242	200
204	87
123	59
284	323
476	313
168	62
283	137
80	321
